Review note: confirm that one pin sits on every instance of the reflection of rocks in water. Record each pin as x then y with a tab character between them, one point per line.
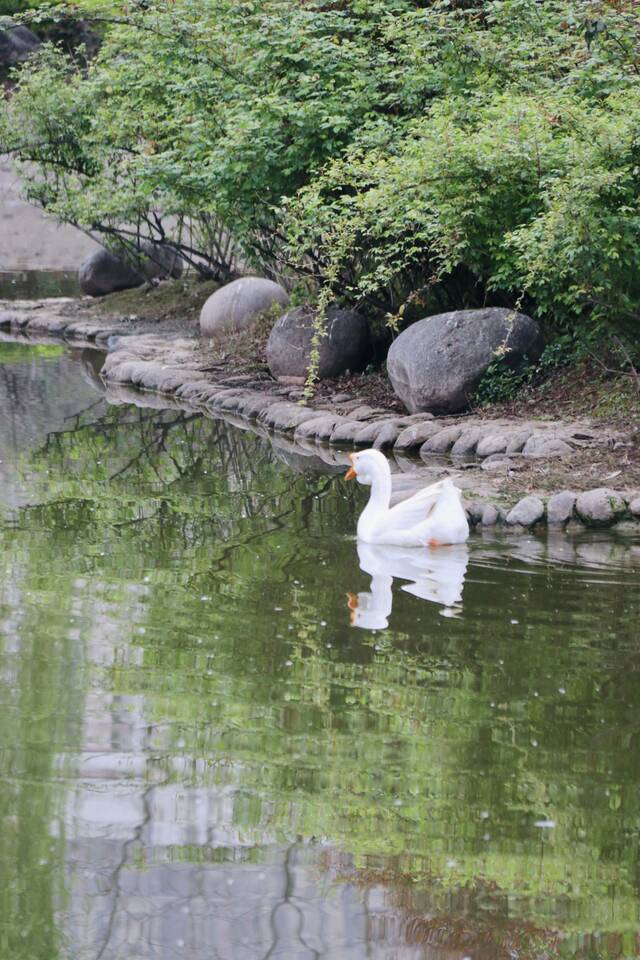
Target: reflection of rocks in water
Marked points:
90	363
119	394
587	549
307	459
37	399
435	574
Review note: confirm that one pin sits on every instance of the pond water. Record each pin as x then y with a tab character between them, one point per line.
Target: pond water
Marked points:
202	757
37	284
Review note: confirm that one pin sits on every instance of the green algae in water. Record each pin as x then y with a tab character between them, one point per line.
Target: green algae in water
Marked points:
200	754
11	352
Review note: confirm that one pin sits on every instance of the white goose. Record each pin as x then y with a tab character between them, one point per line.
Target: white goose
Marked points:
432	517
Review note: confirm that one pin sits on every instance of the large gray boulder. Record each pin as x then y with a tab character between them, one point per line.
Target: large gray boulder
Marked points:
346	345
437	363
17	43
102	272
237	305
160	261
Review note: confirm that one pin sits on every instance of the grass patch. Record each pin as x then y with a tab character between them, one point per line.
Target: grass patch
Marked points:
175	300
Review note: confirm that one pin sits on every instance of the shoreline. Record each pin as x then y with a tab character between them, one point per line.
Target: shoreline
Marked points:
518	473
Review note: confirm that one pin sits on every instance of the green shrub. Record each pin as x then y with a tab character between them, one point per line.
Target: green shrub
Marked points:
10	8
394	154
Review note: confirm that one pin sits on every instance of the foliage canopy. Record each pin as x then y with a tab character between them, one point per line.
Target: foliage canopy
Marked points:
400	154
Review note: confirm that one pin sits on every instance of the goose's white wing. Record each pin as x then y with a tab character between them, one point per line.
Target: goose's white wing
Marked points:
409	513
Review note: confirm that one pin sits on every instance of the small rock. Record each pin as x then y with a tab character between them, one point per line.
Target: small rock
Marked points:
254	406
475	510
341	398
318	428
497	463
491	515
442	441
517	441
560	507
386	437
346	431
416	434
467	442
494	443
291	381
539	446
231	402
369	433
600	507
528	511
634	507
285	416
364	412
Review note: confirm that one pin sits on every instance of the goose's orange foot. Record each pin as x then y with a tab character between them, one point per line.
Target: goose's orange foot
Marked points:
434	543
352	601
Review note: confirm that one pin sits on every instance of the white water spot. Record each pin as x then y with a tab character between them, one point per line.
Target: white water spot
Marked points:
545	824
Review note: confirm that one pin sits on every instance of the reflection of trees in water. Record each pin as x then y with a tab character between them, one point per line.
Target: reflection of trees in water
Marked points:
391	743
134	465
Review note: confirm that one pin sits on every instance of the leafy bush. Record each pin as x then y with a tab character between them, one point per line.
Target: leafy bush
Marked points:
10	8
401	155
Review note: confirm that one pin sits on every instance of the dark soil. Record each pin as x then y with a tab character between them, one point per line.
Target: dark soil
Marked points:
612	398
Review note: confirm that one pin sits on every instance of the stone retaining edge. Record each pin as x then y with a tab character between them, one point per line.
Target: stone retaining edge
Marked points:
596	508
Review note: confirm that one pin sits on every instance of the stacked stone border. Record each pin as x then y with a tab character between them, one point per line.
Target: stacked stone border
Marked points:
181	370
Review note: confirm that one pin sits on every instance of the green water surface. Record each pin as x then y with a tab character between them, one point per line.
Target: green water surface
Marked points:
201	756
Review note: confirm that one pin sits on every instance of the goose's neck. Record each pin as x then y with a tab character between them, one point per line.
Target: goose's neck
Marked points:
380	495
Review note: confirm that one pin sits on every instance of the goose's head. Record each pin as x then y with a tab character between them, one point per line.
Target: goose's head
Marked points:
366	466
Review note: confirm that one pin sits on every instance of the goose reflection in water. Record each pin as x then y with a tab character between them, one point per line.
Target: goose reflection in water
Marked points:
434	573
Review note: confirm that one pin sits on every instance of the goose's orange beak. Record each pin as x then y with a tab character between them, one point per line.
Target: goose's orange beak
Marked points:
351	472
